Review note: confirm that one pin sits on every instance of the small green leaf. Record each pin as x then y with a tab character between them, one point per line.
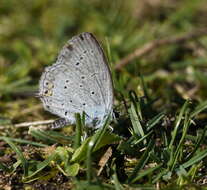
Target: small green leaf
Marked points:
41	165
80	153
72	170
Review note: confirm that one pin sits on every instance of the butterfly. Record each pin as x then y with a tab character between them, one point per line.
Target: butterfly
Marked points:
79	81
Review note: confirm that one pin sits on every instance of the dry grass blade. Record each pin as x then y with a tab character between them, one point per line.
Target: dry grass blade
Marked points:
104	160
28	124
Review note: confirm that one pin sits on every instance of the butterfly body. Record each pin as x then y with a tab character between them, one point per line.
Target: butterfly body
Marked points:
80	81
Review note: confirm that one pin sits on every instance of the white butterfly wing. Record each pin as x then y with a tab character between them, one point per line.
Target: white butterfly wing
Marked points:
80	80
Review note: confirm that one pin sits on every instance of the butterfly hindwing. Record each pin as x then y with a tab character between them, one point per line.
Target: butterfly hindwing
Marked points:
80	80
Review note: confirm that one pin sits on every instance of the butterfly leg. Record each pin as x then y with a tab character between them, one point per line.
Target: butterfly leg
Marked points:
59	123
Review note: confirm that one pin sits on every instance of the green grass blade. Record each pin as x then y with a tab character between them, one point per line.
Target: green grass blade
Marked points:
143	160
80	154
146	172
137	103
22	141
195	159
178	122
78	133
155	120
20	155
160	175
201	107
179	147
4	168
137	127
198	143
117	184
42	165
142	138
51	137
92	145
144	86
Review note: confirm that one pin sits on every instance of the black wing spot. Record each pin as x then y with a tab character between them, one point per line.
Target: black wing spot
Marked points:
81	58
48	107
65	87
71	101
47	83
81	37
93	92
84	104
92	51
81	85
82	77
67	81
46	91
85	51
77	63
69	47
66	113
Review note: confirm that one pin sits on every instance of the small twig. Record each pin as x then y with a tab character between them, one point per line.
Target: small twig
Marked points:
27	124
148	47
